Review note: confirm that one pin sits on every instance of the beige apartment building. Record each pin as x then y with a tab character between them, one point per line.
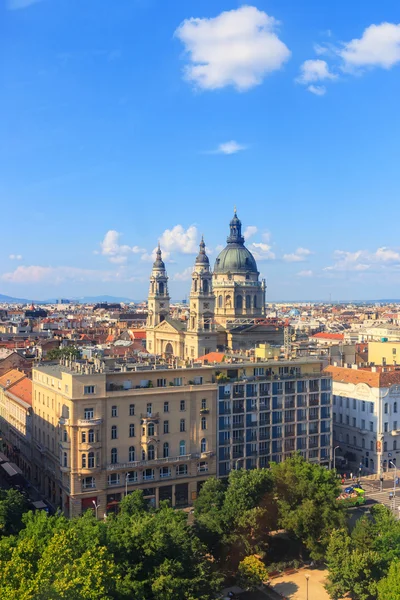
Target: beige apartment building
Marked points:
384	353
100	433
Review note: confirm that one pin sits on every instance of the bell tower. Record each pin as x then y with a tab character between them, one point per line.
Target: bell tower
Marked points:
158	300
201	335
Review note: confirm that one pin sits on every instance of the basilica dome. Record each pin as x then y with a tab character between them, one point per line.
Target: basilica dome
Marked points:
235	257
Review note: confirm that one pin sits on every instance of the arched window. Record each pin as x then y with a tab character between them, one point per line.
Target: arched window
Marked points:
203	423
83	461
220	301
182	448
65	462
161	288
150	452
239	302
114	432
203	445
91	460
195	285
91	436
114	456
166	450
205	286
228	302
255	301
131	453
248	301
193	322
150	429
83	438
132	430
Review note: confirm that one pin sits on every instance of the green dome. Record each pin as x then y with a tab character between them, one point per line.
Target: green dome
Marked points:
235	258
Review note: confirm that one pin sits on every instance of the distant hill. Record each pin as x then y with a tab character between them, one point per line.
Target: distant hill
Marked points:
95	299
11	300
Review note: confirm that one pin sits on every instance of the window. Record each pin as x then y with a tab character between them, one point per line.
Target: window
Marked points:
395	407
114	432
395	445
165	472
91	436
363	443
385	446
166	450
66	388
132	477
166	426
88	412
203	467
131	454
149	408
143	454
386	408
203	445
386	427
65	459
113	479
114	456
371	445
371	426
132	430
362	423
88	483
354	404
182	448
161	383
354	441
371	407
65	435
166	406
151	452
178	381
88	389
83	438
91	460
114	411
150	429
182	405
354	422
131	410
148	474
182	426
395	425
363	406
204	404
181	470
203	423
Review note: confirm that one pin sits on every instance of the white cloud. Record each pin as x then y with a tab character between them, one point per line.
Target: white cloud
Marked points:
261	251
312	71
116	252
318	90
305	274
17	4
38	274
15	257
219	248
185	275
180	240
300	255
250	231
238	47
266	236
379	46
320	50
364	260
231	147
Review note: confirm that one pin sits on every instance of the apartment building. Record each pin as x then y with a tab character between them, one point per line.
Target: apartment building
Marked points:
366	415
16	419
268	411
101	432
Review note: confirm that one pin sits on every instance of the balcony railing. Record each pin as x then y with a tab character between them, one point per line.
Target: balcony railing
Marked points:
89	422
151	463
150	416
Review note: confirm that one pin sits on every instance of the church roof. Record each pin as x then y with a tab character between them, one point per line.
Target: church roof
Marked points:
235	257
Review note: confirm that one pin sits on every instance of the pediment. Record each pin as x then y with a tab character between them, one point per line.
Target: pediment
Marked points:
167	326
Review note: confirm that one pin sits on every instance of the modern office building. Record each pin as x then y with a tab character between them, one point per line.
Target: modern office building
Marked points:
268	411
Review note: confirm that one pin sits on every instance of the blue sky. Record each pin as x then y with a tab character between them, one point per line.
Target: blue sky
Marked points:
130	121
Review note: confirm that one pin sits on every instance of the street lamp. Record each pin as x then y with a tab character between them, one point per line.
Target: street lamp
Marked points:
334	456
307	578
395	477
96	506
236	462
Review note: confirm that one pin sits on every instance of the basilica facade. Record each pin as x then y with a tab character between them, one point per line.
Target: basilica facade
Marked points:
226	305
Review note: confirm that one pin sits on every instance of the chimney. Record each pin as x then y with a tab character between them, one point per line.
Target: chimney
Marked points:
373	369
354	367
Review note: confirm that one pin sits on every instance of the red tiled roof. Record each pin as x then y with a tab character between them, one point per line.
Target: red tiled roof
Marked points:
364	375
11	377
328	336
212	357
139	335
23	390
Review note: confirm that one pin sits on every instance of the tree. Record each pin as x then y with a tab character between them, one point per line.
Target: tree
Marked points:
389	586
306	497
12	506
64	352
252	572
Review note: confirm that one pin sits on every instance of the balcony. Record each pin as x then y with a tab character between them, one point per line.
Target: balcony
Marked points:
204	411
150	416
151	463
238	440
206	454
238	409
89	422
225	411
